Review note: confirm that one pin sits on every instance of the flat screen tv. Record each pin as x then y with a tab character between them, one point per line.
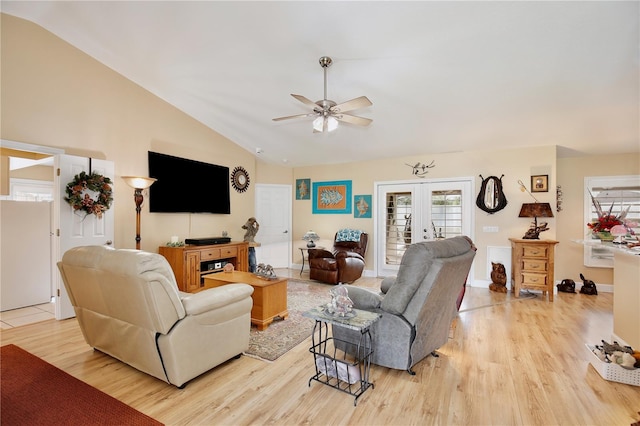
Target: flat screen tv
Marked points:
187	186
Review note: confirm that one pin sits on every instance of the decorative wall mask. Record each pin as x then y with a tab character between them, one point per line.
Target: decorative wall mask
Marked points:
491	197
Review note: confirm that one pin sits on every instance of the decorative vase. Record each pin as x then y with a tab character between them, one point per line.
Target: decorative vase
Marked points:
604	236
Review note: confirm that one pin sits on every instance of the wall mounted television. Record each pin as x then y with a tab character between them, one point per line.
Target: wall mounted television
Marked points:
187	186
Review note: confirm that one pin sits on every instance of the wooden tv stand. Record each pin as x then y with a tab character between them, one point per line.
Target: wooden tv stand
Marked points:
191	263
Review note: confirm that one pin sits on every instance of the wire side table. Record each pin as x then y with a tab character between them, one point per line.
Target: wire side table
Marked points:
340	364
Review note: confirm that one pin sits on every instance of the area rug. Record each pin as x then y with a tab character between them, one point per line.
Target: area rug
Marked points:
281	336
34	392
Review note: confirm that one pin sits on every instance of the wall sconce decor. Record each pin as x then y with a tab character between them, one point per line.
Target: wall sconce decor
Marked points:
311	237
138	184
558	198
420	169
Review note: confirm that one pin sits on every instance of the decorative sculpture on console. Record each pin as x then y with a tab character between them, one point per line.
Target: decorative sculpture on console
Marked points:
340	305
265	271
252	226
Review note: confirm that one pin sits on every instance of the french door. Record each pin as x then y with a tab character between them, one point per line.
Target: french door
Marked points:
407	213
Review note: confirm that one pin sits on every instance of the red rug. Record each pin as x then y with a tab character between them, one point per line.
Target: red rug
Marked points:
34	392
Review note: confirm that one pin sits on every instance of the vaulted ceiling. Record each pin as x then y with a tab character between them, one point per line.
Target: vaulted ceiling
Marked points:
442	76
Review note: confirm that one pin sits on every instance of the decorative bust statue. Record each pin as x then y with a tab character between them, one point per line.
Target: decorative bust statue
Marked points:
252	226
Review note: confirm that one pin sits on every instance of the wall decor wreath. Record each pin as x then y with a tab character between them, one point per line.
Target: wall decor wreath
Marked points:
79	193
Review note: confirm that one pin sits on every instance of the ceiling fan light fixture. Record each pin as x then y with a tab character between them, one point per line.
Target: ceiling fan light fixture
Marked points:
332	123
328	112
323	123
317	124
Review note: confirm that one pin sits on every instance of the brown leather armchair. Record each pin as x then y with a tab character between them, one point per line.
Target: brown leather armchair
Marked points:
345	264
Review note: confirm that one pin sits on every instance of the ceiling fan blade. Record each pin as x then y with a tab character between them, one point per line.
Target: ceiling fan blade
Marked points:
352	119
305	101
294	116
356	103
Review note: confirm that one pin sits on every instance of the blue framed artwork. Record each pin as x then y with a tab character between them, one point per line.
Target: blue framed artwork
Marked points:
303	189
362	206
332	197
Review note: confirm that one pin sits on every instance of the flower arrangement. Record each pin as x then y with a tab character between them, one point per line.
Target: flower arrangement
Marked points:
605	223
81	201
607	220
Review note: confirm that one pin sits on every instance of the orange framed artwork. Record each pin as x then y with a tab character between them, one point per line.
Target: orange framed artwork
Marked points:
333	197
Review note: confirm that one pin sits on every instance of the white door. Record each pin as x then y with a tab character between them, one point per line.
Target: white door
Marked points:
25	250
273	213
411	212
73	229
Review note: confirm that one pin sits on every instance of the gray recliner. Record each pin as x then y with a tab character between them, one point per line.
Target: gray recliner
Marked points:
417	306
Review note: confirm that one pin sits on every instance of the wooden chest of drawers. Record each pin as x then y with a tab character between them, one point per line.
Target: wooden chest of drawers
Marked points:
532	265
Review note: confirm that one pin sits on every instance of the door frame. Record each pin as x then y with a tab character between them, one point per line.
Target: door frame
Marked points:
412	185
40	149
289	211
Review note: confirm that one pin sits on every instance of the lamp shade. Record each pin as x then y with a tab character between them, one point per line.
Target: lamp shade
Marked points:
536	210
139	182
311	237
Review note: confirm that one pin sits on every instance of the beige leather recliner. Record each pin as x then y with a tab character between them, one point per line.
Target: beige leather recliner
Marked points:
128	306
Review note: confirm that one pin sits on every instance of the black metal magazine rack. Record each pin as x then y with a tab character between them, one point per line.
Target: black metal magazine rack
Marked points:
340	364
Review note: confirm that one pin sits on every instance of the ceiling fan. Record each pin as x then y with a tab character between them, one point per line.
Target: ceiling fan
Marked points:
327	112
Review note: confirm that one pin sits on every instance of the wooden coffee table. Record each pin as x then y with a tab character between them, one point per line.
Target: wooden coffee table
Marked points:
269	296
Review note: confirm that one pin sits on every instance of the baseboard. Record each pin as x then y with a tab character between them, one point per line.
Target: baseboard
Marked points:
370	273
603	288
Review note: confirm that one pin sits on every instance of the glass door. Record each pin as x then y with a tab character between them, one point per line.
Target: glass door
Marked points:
426	210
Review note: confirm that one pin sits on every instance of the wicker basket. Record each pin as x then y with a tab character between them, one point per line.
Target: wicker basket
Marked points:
613	372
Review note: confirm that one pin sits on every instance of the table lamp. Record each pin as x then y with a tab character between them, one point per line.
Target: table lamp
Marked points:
311	237
535	210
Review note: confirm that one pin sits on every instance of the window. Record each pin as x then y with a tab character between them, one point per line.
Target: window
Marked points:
30	190
615	194
397	226
446	213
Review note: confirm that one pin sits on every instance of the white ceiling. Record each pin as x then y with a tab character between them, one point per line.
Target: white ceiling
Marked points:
442	76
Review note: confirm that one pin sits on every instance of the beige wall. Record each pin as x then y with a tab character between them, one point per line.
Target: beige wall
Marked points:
54	95
34	172
513	164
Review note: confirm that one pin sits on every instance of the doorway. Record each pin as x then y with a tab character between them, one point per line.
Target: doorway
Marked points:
73	229
410	212
273	213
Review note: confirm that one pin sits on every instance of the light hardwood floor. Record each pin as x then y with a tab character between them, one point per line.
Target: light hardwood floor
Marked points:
509	362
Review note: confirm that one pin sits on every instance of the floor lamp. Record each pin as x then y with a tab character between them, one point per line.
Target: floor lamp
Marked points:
138	184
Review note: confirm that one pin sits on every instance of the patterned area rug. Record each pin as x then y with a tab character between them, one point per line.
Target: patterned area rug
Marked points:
282	336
